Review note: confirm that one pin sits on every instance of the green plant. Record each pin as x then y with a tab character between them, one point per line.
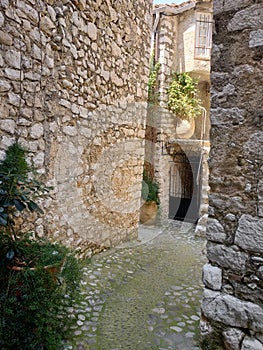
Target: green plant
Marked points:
34	304
17	190
150	189
182	100
39	279
153	94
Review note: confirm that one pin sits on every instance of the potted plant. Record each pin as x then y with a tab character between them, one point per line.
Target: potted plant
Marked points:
35	274
150	198
183	103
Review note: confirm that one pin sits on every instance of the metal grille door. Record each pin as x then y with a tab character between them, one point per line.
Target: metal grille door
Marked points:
184	194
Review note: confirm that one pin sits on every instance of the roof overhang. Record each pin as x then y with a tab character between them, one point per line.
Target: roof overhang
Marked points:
174	10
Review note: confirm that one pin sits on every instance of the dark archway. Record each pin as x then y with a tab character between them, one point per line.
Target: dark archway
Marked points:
184	186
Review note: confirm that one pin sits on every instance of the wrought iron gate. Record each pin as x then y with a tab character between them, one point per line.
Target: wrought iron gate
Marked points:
184	190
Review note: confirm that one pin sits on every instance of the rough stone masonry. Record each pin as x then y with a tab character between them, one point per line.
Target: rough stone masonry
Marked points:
232	306
73	89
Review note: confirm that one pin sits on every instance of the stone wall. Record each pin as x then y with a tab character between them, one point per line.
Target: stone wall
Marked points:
232	307
73	89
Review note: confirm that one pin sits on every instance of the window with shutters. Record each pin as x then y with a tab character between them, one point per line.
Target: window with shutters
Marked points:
203	37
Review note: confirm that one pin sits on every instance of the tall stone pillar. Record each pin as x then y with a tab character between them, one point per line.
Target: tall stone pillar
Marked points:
232	306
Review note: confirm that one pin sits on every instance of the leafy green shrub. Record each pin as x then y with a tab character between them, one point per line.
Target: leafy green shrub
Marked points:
182	100
150	189
33	306
17	190
39	279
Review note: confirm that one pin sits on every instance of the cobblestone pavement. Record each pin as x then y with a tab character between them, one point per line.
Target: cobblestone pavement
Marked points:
143	295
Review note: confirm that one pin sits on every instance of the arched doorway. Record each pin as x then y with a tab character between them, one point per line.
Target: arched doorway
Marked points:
184	186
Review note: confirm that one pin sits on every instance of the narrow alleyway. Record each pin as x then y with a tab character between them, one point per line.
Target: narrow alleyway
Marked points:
143	295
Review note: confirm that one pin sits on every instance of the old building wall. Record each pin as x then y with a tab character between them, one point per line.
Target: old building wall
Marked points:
73	89
232	307
184	60
175	50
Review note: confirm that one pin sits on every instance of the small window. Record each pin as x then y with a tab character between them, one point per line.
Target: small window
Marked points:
203	36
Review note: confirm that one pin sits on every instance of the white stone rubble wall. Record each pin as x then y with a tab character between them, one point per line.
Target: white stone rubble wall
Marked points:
73	90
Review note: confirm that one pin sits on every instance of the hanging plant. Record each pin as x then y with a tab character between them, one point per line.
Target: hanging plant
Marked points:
182	100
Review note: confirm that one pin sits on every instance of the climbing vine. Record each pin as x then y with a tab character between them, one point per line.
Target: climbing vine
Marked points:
182	100
153	94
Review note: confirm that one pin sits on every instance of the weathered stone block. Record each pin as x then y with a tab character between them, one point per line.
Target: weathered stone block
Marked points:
253	146
228	257
37	131
222	116
212	277
80	4
29	11
92	31
13	74
8	125
70	130
259	337
256	38
233	338
65	103
232	311
249	233
229	5
5	38
215	231
260	198
46	24
251	344
13	58
2	19
4	86
249	18
39	159
14	99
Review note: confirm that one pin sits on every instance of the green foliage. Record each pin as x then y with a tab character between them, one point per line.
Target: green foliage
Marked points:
33	306
17	191
30	252
153	95
150	189
182	99
38	279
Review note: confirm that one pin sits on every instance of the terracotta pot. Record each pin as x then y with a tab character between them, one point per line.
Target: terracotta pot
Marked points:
148	213
185	129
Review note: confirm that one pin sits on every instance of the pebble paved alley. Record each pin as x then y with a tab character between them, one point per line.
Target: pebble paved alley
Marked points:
143	295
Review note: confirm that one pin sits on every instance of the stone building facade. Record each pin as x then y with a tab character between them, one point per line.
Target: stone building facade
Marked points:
181	149
73	90
232	306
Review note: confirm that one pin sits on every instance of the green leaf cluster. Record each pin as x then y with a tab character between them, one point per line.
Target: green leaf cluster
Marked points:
17	190
39	279
182	100
153	94
150	189
33	306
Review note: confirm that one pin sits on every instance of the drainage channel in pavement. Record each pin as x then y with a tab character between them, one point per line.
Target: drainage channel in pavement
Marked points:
144	294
